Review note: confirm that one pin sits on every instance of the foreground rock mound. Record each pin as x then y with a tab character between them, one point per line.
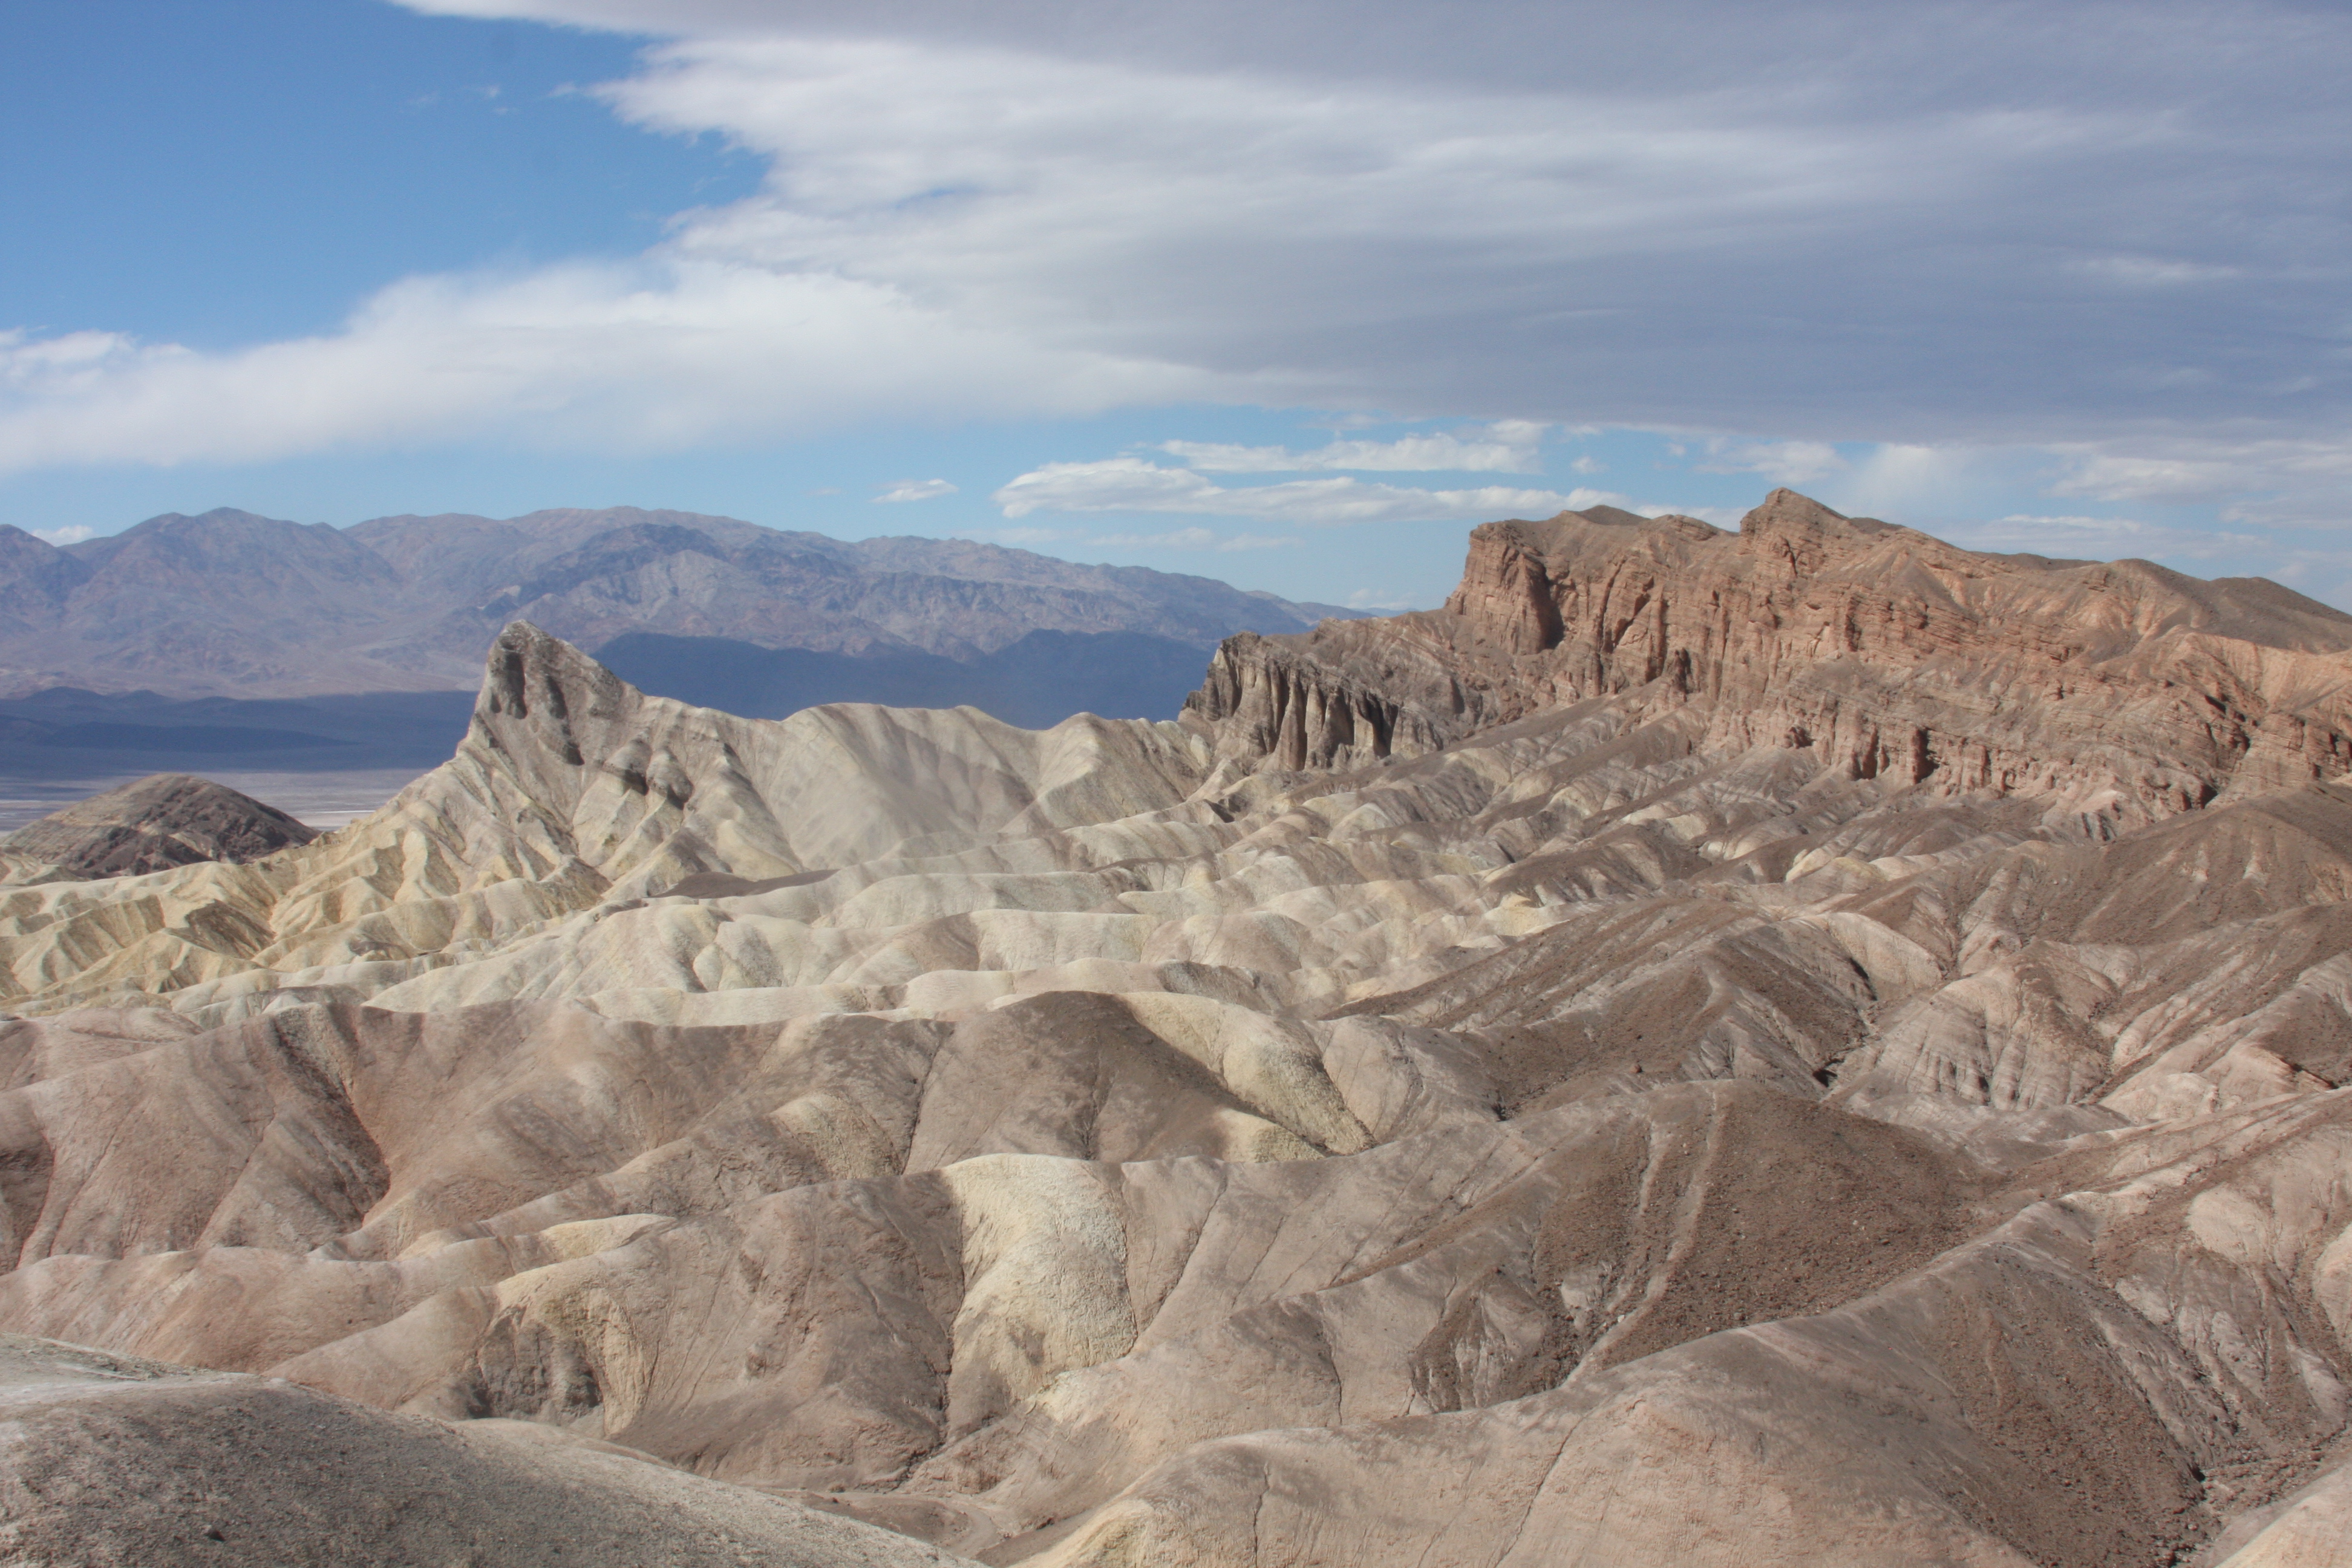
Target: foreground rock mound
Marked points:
1408	1113
151	825
123	1463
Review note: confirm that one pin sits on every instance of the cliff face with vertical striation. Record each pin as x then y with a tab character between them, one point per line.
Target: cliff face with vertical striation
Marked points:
1885	654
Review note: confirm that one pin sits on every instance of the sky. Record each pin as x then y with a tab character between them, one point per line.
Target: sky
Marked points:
1290	294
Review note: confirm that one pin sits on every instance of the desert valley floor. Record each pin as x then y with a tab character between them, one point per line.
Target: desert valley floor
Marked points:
1805	1044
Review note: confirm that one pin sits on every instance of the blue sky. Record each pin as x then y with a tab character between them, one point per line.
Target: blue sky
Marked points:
1287	295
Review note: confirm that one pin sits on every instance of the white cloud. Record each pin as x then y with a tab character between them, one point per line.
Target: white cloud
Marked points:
61	537
1783	462
1752	220
966	230
1509	446
2154	271
1184	538
2098	538
2044	534
1067	540
2126	477
671	354
917	490
1377	599
1896	479
1132	484
2289	483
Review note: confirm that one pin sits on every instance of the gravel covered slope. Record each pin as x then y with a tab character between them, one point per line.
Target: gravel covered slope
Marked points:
116	1462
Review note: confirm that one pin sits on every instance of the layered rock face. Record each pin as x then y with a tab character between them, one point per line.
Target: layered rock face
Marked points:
2121	688
1508	1086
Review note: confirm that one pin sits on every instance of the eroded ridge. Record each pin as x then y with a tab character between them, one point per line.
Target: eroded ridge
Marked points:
1805	1044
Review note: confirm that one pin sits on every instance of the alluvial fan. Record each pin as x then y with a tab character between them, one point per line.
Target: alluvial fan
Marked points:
1806	1045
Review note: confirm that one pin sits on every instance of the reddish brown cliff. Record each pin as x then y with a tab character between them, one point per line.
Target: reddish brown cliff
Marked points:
1883	652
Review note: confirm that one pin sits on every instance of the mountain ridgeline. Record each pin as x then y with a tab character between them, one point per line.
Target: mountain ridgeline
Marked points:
129	646
1801	1046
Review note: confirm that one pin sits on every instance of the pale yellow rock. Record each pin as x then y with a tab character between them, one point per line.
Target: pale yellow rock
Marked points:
2311	1529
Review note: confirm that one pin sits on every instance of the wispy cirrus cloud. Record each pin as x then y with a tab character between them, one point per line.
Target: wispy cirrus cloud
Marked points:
1136	485
2100	538
916	490
1186	539
1509	446
2290	484
1191	539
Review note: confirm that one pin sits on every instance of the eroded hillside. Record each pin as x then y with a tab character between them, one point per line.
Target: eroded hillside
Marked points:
1802	1045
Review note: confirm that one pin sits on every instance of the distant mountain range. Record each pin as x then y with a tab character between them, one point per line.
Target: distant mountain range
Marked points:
231	605
1806	1045
158	642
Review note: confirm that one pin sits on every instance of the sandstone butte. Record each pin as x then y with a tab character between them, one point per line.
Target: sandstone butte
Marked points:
1797	1046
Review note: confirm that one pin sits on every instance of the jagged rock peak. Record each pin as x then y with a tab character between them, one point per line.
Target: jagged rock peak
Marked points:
526	662
539	695
1879	650
1798	532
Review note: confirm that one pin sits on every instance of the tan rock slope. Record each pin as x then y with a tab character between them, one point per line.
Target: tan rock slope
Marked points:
1801	1046
122	1463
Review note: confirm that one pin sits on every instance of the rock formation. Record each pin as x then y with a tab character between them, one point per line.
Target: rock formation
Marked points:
1876	650
1800	1045
169	819
116	1462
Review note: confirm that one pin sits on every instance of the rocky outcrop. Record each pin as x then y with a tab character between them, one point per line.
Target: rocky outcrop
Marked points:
154	823
1516	1104
572	788
1882	653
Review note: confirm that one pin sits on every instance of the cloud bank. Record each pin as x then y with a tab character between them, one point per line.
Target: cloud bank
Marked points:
666	355
2107	231
1508	446
1135	485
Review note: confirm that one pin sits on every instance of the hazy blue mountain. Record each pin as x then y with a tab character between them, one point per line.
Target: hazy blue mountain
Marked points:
228	604
187	639
1038	682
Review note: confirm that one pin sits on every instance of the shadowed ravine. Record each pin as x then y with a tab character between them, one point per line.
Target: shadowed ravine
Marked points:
1799	1046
